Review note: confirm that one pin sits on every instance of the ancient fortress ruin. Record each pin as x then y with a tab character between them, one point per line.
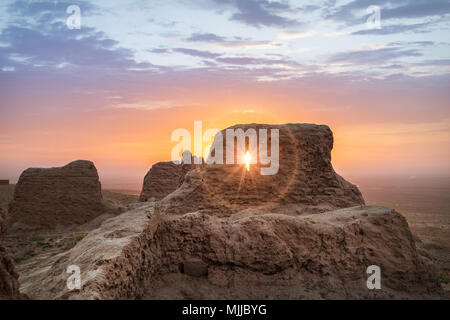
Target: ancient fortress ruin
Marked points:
228	233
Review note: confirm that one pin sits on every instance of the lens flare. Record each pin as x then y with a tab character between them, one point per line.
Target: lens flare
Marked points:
247	161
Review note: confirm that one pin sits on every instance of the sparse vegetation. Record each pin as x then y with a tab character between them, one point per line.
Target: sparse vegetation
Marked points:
79	237
444	277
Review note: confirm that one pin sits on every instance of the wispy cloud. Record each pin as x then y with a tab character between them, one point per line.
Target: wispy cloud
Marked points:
354	13
229	43
373	56
396	28
259	13
295	35
148	105
196	53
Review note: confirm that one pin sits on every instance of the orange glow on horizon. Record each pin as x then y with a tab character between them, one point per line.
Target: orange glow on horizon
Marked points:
126	142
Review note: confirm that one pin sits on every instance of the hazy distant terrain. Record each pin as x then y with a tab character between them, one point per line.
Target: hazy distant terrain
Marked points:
425	202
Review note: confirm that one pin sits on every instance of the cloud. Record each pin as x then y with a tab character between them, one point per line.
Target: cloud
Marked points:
295	35
308	8
373	57
159	50
229	43
397	28
258	13
196	53
243	61
417	9
8	69
218	59
354	12
205	37
36	36
84	47
412	43
45	12
436	62
150	105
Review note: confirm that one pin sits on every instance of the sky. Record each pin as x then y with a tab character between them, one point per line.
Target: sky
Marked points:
114	89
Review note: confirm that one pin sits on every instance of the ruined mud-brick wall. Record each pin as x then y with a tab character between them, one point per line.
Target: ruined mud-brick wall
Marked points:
56	197
163	178
305	176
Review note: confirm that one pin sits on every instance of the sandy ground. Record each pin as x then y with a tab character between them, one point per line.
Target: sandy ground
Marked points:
427	213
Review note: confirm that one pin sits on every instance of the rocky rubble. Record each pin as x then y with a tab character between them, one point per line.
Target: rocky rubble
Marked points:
9	284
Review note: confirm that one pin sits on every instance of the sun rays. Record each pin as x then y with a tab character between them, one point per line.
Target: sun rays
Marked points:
247	159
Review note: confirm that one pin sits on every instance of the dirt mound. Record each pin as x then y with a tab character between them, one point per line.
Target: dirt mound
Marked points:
45	199
9	284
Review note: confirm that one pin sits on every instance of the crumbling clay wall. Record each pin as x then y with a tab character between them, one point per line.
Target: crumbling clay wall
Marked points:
45	199
142	254
162	179
305	178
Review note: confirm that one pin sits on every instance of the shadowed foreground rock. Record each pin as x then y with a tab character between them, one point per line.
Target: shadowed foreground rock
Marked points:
275	256
9	284
45	199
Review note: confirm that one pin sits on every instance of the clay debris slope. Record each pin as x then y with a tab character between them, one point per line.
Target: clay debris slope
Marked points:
9	284
115	261
305	178
49	198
